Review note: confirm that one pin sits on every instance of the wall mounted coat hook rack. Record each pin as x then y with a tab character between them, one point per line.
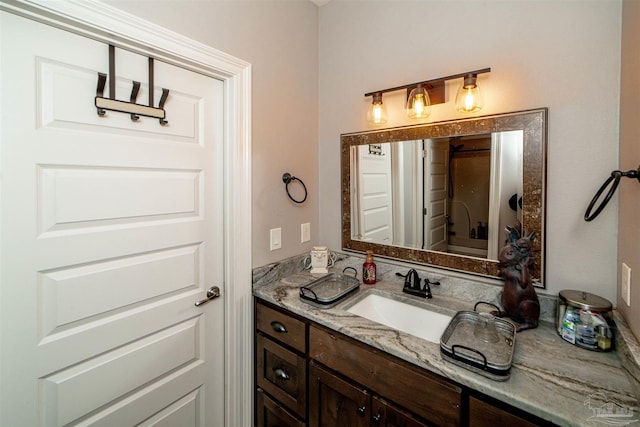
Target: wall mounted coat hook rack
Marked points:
130	107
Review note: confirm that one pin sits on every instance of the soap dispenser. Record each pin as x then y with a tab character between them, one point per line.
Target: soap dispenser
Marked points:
369	269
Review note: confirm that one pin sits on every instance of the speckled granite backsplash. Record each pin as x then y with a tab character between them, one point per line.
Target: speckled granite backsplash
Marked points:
461	287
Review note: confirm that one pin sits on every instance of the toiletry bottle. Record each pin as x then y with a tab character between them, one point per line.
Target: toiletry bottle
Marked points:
369	269
604	337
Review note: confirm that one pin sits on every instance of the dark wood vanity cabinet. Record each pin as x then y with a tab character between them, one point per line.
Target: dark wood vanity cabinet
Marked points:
487	414
425	395
309	375
388	415
334	401
281	368
271	414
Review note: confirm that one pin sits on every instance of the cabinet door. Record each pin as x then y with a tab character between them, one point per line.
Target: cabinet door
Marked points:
334	402
484	414
271	414
420	392
387	415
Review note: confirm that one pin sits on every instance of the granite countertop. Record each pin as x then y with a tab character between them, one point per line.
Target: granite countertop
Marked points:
549	377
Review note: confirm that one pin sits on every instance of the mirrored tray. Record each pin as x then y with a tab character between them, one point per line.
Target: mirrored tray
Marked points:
328	290
471	342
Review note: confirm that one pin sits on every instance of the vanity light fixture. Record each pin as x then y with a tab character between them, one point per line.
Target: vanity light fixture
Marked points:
421	95
469	98
377	113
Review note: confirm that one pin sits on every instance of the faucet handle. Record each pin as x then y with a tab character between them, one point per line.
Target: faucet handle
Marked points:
427	287
429	282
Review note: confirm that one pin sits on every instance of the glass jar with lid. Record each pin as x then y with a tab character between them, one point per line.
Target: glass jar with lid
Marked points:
585	320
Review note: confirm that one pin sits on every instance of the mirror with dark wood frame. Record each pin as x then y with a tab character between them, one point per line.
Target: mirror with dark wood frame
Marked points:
443	193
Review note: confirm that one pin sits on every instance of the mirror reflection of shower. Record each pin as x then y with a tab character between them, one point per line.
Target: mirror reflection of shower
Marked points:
469	172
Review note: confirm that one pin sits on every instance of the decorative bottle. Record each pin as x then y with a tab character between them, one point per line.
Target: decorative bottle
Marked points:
369	269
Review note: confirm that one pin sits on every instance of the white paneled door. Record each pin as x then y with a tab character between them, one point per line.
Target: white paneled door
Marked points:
110	231
436	163
374	194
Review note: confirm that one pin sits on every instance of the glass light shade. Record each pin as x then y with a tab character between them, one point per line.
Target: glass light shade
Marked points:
418	104
377	113
469	98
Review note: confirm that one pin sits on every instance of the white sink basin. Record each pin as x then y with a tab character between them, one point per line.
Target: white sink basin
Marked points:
419	322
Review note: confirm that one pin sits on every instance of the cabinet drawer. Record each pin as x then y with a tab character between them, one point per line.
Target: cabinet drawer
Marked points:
282	374
271	414
421	393
281	327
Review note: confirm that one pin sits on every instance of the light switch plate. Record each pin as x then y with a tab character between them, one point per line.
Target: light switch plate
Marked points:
275	240
305	232
625	278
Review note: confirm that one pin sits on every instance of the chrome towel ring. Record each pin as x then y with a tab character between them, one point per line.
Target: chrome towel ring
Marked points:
615	178
287	178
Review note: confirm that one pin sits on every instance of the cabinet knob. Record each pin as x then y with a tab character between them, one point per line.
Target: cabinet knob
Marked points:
362	410
281	374
376	419
278	327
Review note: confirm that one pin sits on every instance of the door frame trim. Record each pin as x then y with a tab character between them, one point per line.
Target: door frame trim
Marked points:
104	23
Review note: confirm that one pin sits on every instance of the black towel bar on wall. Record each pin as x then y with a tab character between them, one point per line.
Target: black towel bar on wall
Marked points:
287	178
615	179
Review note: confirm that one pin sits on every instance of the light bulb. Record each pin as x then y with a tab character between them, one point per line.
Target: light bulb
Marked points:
377	113
418	105
469	98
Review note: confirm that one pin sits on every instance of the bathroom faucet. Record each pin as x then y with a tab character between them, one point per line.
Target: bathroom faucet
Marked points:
412	284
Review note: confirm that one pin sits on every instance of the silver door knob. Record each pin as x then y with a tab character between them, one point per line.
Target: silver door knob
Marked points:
212	292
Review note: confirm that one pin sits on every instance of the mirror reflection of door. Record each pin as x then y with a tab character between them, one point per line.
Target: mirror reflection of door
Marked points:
375	219
435	195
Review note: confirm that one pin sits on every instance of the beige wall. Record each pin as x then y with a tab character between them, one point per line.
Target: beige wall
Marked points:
562	55
280	40
629	226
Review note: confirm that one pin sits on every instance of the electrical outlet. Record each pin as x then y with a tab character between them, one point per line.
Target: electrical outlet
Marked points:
275	238
626	284
305	232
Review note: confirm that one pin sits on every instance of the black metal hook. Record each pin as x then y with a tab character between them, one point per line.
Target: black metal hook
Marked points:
132	99
615	178
102	80
287	178
163	99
